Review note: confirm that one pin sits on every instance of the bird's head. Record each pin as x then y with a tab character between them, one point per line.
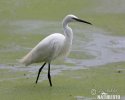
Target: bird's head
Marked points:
73	18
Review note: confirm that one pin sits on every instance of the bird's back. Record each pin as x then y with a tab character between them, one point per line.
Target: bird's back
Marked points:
46	50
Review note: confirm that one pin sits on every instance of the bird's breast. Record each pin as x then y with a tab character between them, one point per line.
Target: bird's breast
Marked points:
66	48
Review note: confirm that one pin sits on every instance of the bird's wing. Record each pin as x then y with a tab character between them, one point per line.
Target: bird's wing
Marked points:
45	50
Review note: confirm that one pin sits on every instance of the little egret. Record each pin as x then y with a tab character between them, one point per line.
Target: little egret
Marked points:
52	46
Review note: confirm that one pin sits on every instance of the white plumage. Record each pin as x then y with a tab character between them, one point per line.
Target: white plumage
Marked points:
53	46
49	48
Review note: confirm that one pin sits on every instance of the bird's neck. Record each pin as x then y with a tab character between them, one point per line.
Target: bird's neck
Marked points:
68	32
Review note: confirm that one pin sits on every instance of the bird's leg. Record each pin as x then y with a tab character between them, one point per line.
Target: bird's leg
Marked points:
49	76
40	71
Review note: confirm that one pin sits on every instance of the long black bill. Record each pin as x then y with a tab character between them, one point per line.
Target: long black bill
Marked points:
79	20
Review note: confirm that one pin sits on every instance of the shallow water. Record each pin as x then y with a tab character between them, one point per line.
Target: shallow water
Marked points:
23	23
104	49
91	46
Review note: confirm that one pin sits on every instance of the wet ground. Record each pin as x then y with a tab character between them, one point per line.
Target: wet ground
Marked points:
93	46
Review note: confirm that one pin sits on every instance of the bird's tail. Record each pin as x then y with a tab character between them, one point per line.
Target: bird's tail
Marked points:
25	60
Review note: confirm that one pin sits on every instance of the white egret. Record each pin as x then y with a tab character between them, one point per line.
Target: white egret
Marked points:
52	46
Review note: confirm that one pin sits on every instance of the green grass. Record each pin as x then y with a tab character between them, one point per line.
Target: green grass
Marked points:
66	85
113	23
14	44
41	9
56	10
